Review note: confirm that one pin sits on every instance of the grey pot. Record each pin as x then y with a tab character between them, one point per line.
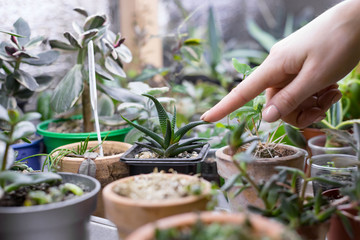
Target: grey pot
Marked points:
65	220
317	146
342	172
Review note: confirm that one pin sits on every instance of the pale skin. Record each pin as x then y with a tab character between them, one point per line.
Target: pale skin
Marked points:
301	71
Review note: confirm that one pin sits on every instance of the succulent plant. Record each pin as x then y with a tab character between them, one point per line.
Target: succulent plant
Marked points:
16	83
109	51
169	144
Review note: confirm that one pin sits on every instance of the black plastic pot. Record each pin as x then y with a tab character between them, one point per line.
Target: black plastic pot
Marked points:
147	165
56	221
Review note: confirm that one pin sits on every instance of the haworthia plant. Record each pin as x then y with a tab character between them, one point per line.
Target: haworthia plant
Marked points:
168	144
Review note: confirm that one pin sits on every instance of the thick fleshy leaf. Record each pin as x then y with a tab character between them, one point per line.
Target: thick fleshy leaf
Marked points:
11	84
10	156
124	53
168	135
61	45
43	81
4	114
87	167
127	105
68	90
23	94
22	28
121	94
26	80
82	11
34	41
102	73
29	116
22	129
114	68
24	54
105	106
88	35
72	40
95	21
45	58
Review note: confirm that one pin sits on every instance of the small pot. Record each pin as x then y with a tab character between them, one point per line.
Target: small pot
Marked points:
263	226
337	230
108	168
56	221
28	149
147	165
128	214
345	167
309	133
317	146
259	169
314	232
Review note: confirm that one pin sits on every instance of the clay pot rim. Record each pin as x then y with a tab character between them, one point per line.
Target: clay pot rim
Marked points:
146	232
94	143
313	139
117	199
220	154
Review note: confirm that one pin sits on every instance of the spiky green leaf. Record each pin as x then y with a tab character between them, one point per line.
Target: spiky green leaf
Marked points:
186	148
149	133
182	131
168	135
162	115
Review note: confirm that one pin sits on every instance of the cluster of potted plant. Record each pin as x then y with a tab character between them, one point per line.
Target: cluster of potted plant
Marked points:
40	202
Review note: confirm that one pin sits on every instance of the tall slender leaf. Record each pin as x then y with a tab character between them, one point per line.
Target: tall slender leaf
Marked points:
162	115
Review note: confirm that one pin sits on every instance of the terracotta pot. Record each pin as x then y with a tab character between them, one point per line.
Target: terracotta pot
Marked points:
128	214
311	132
314	232
108	168
337	230
264	226
259	169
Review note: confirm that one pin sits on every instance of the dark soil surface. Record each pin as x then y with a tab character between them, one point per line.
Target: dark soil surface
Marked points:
271	151
18	197
76	126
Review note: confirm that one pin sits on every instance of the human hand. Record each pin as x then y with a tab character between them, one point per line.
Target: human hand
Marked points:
301	71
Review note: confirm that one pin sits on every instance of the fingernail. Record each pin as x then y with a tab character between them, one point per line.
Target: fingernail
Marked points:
271	114
336	98
204	115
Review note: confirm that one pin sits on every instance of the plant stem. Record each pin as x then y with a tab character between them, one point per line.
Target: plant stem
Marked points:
3	167
86	111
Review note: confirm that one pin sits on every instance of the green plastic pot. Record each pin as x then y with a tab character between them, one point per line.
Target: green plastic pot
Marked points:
53	140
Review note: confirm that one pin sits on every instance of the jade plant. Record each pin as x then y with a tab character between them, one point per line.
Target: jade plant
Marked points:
110	52
169	144
284	199
17	84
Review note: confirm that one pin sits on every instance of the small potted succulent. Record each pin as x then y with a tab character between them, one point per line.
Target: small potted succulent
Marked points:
110	53
84	158
136	200
284	197
214	225
346	225
166	151
267	156
333	125
338	167
18	85
40	202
